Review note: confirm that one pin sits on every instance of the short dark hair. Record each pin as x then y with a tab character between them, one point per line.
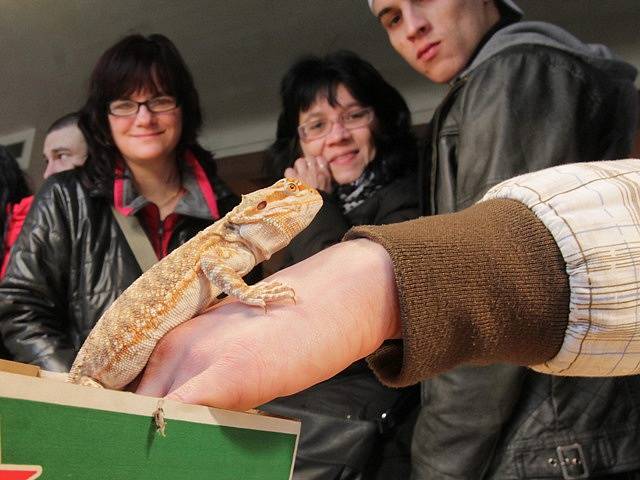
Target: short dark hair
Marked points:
310	76
70	119
13	185
136	62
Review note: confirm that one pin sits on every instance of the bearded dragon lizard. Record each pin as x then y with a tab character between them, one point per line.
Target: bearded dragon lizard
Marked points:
189	280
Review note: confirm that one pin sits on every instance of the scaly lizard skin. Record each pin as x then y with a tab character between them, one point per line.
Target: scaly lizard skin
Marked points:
188	280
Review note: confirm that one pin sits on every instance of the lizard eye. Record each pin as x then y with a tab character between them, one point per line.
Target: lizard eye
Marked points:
261	205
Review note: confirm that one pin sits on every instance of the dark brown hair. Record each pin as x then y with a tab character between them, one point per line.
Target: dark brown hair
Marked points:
134	63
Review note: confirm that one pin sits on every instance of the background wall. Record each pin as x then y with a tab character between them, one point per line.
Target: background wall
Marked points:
237	51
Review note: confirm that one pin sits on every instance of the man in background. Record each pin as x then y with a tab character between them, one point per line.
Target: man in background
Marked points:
64	149
64	145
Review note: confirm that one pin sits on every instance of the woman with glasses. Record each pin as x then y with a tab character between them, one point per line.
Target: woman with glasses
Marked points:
72	259
344	130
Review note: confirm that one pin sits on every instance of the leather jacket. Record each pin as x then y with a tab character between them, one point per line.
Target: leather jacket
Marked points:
68	265
524	108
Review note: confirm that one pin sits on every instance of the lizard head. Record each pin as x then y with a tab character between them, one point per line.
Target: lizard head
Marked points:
269	218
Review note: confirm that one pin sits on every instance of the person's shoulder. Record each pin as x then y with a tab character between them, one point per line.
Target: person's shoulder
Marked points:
513	71
19	212
62	179
66	185
400	193
522	59
22	207
226	198
405	186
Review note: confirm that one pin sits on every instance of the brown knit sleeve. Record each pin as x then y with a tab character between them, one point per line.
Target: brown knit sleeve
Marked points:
484	285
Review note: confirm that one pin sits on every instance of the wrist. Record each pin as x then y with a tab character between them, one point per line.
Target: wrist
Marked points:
374	279
348	289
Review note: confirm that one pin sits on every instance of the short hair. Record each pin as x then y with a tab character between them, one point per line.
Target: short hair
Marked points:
312	76
68	120
135	62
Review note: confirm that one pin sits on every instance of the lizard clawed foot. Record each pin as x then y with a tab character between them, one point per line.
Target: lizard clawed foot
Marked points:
262	293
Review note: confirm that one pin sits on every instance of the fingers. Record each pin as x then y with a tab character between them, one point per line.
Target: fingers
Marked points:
314	171
214	386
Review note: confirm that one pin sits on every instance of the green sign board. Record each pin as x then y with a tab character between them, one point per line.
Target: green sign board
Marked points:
76	432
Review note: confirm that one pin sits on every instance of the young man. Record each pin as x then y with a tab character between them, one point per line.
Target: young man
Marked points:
524	96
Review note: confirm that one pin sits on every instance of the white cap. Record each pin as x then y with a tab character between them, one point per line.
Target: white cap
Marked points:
508	4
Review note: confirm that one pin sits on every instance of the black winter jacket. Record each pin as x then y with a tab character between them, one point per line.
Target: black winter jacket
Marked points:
521	107
342	418
69	264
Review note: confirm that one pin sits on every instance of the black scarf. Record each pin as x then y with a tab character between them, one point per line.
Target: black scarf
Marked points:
355	193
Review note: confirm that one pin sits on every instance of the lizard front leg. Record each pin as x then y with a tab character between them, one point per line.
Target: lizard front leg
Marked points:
230	282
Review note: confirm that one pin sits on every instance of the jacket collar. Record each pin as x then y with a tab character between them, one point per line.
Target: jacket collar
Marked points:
503	22
199	200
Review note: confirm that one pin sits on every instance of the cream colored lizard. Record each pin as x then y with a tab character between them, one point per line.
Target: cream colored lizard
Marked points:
189	280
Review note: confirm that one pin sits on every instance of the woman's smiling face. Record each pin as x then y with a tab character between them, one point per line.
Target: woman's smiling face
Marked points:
347	151
146	136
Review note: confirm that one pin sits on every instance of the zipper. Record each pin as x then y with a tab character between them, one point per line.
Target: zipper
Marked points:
442	109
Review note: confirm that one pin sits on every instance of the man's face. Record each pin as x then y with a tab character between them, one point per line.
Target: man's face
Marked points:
64	149
436	37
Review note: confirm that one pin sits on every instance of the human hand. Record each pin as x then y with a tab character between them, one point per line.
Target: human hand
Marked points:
313	171
237	356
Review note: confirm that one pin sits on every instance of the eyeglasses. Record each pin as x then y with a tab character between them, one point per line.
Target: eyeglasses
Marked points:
126	108
318	128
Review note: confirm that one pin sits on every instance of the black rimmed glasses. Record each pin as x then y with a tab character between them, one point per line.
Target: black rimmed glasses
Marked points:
320	127
126	108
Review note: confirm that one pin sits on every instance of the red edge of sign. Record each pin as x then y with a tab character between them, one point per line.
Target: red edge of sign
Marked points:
20	472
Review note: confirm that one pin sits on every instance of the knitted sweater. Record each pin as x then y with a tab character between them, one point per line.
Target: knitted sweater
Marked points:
483	285
544	272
